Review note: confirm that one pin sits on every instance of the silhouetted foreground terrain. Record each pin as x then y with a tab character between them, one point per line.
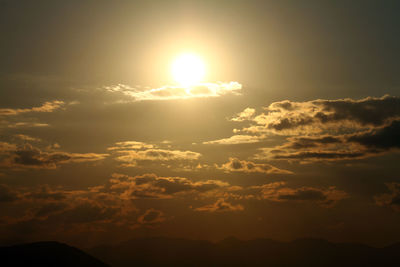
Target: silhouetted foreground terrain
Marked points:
181	252
233	252
46	254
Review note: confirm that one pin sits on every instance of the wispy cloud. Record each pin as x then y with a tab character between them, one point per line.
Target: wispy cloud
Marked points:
129	152
236	139
49	106
176	92
24	137
220	206
25	124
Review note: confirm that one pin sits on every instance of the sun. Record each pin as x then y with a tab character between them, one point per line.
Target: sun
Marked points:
188	69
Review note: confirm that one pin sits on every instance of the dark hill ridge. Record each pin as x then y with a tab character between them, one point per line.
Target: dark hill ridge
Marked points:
46	254
234	252
183	252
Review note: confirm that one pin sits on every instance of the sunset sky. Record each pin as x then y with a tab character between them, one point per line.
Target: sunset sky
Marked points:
199	119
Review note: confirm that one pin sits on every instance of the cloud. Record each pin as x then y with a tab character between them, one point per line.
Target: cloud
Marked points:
381	138
361	145
7	194
44	192
151	217
130	145
157	154
391	199
129	152
24	137
7	147
246	114
175	92
304	142
60	206
87	212
220	206
323	116
28	156
236	165
48	209
307	156
49	106
152	186
279	192
26	124
235	139
111	204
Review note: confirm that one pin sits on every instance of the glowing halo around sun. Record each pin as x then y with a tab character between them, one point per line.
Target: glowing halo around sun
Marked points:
188	69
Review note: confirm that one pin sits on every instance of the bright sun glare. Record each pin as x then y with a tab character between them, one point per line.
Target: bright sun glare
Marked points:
188	69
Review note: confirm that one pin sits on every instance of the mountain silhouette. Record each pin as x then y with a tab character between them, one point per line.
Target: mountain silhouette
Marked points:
46	254
234	252
159	251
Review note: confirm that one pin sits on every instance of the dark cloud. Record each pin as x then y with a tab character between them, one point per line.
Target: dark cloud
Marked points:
28	156
236	165
66	207
367	111
384	138
308	155
49	209
111	204
151	217
342	115
341	147
279	192
308	142
46	193
87	211
152	186
7	194
391	199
